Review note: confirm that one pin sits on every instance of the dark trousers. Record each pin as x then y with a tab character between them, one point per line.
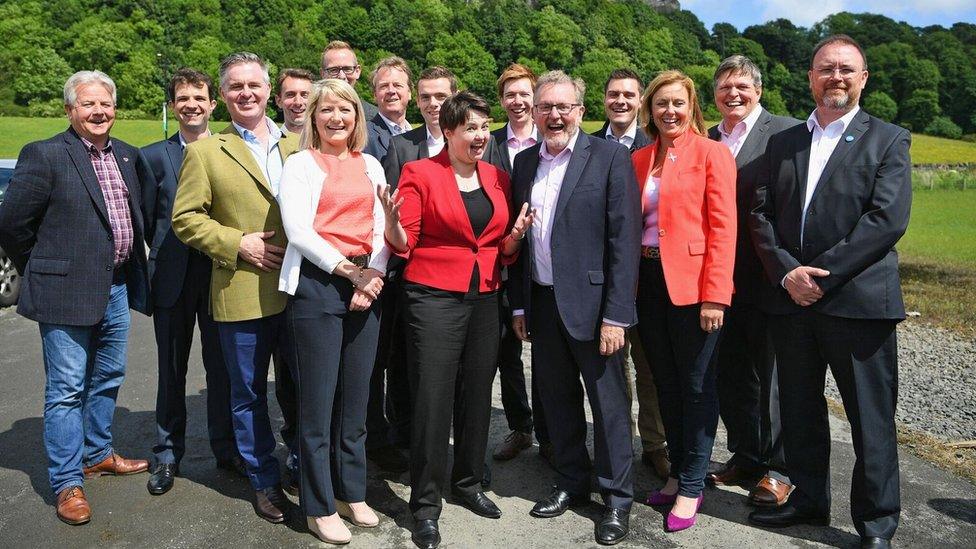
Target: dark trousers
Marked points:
558	362
286	393
247	346
452	346
682	358
515	399
388	411
863	358
174	337
748	392
333	349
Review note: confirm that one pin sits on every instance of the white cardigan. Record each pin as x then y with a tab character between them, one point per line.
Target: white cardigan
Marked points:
298	198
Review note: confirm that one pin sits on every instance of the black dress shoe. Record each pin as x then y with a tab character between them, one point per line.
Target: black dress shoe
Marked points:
875	543
234	465
425	534
613	526
271	504
556	503
161	478
786	515
479	504
388	458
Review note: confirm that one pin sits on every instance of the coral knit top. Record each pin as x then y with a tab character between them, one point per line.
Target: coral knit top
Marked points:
344	217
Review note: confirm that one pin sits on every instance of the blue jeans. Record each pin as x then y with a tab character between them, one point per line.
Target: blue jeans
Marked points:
85	366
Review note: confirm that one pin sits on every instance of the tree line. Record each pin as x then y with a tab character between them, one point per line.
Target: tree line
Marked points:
921	78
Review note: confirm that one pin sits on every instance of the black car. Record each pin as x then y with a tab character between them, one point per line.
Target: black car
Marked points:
9	278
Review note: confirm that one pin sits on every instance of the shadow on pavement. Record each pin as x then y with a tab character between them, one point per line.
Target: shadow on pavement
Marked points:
960	509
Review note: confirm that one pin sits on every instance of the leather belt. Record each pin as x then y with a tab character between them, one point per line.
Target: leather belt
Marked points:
361	261
651	252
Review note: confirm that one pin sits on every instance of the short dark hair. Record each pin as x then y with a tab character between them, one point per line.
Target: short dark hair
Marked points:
454	111
195	78
300	74
623	74
839	39
439	71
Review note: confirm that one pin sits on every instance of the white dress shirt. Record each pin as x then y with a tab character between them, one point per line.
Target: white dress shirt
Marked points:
396	129
516	145
822	145
434	145
734	139
268	157
627	139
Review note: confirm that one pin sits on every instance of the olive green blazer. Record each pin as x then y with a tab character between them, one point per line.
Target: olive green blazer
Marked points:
221	196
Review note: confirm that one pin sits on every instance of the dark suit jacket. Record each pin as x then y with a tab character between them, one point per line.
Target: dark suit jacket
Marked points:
641	140
499	157
595	241
748	275
411	146
858	212
54	226
167	254
378	136
369	110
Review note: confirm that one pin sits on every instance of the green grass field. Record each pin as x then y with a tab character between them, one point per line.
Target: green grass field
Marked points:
15	132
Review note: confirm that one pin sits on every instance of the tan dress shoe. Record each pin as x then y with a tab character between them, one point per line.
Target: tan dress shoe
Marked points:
116	465
329	529
729	475
658	461
358	513
73	506
514	443
770	493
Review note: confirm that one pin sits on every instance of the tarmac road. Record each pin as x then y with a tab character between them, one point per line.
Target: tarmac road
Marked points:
210	508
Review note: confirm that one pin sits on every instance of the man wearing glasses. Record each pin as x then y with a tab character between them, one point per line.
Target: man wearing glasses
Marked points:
339	61
576	306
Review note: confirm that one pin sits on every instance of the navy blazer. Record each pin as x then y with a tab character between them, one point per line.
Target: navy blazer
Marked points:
640	140
748	275
378	136
54	227
167	253
499	157
595	241
858	211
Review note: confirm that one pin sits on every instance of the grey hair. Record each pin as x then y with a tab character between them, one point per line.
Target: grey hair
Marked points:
82	78
739	64
552	78
239	58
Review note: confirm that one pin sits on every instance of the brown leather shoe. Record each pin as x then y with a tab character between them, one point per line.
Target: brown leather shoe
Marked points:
116	465
770	492
732	475
514	443
657	460
72	506
271	504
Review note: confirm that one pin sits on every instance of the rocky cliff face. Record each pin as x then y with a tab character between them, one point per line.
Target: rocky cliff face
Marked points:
664	5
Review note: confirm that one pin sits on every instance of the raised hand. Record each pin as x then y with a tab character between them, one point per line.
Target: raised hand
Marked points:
391	203
523	221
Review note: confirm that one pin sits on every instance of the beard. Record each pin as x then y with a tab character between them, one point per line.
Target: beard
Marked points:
838	101
559	141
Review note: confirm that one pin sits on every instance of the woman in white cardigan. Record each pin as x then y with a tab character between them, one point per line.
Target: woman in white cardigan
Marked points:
333	271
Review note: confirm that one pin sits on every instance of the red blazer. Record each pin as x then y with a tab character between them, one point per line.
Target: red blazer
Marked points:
441	246
696	217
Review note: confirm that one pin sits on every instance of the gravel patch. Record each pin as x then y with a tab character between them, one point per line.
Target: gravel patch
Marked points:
936	381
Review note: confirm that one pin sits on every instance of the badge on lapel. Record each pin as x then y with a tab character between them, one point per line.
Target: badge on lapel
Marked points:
849	138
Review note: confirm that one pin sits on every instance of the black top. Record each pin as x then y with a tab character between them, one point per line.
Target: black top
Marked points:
479	209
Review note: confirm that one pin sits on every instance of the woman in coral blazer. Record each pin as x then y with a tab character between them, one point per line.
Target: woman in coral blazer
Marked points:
455	227
688	245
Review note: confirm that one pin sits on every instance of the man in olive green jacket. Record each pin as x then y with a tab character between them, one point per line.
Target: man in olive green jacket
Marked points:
226	207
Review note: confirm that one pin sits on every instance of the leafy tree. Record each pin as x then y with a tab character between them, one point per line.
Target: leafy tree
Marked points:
772	100
137	80
784	42
594	70
555	36
41	76
473	66
881	105
920	109
942	126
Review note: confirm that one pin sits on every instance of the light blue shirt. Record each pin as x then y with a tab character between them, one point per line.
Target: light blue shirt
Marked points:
268	158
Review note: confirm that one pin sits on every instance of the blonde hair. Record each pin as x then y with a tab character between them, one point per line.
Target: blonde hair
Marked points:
339	89
667	78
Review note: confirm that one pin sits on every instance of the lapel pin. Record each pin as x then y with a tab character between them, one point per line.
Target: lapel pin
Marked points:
672	157
125	159
849	138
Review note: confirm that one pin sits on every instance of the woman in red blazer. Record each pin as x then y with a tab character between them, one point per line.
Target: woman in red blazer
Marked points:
688	202
455	228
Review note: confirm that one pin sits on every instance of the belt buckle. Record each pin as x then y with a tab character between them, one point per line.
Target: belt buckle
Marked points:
651	252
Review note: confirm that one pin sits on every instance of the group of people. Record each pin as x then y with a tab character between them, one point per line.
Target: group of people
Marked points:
389	272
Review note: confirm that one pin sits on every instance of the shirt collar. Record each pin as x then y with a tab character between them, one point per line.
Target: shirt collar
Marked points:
431	139
510	135
841	123
90	147
405	127
746	123
182	139
544	150
274	131
631	132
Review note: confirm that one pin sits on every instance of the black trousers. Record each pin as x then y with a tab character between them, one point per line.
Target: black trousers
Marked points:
748	392
286	393
333	349
558	362
682	358
863	358
515	398
174	338
452	347
388	412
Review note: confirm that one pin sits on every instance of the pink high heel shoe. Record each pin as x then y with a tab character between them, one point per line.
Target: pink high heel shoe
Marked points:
656	498
675	523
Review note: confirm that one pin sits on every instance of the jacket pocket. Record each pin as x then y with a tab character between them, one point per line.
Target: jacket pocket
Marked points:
48	265
596	277
696	248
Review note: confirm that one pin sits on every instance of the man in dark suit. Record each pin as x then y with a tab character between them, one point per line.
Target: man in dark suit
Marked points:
339	61
180	286
576	306
748	396
621	102
391	81
72	222
833	200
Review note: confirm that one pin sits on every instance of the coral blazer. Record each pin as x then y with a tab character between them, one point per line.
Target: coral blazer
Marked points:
696	217
441	245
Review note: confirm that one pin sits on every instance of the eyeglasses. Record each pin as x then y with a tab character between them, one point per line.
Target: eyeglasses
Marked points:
561	108
844	72
334	71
